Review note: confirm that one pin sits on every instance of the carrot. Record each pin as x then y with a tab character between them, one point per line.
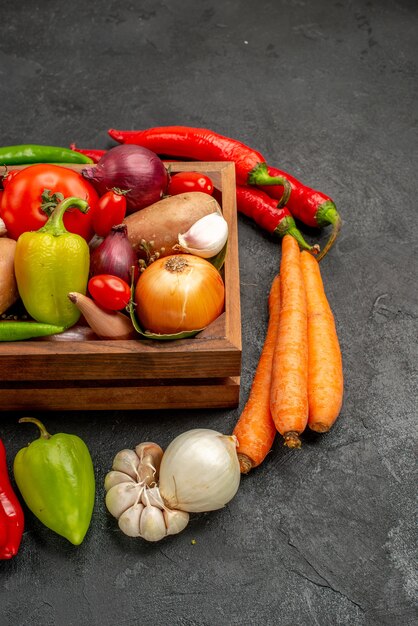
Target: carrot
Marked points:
289	380
255	429
325	372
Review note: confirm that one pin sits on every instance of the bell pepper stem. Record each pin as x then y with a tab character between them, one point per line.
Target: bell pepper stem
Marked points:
55	225
44	433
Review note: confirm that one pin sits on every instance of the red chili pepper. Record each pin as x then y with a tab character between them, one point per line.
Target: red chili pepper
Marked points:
265	212
95	155
307	205
11	513
202	144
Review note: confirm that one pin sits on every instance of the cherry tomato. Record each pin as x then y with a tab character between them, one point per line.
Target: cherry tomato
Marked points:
110	292
21	204
111	210
189	181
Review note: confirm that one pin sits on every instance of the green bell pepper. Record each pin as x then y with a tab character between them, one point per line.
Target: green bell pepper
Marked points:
50	263
55	476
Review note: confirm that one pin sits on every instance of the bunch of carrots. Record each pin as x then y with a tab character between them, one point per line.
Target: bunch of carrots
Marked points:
299	377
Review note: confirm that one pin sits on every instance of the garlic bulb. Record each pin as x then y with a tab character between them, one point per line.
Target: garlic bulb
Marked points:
199	471
206	237
133	497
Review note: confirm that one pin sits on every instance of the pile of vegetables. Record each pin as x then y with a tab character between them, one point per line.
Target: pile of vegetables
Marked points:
137	252
120	243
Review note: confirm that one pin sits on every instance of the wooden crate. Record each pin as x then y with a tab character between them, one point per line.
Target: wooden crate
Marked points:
76	371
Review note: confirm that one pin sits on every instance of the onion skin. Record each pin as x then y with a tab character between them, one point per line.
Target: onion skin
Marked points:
199	471
179	293
134	169
105	324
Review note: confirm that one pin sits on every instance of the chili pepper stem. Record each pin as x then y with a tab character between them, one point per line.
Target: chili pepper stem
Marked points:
260	176
44	433
55	225
328	214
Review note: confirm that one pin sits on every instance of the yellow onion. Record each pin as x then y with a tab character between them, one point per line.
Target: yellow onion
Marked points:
179	293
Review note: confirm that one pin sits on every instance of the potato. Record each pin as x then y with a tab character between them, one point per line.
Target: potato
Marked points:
156	228
8	287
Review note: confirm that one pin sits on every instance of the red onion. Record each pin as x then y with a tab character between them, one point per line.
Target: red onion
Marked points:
114	255
133	168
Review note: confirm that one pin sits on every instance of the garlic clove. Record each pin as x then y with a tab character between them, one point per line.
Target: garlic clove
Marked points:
175	520
129	520
151	524
152	496
126	461
114	478
206	237
121	497
150	455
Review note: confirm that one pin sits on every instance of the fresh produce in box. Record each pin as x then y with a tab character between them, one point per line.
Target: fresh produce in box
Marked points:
135	170
206	237
153	232
55	476
49	263
34	153
109	291
11	330
8	286
114	255
179	293
31	194
111	209
183	182
104	323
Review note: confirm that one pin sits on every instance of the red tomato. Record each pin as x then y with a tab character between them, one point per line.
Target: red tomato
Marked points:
189	181
21	204
110	211
110	292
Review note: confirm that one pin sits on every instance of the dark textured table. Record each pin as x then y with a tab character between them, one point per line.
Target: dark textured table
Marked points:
328	90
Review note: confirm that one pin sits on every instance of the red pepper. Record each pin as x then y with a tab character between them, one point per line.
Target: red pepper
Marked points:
202	144
307	205
11	513
265	212
95	155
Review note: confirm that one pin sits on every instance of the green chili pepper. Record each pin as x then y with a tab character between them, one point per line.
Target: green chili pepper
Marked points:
32	153
55	476
18	331
49	264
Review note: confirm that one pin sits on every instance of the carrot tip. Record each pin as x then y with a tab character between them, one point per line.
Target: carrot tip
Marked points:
245	463
292	440
318	427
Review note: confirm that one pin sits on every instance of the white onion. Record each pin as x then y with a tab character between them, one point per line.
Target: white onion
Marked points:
199	471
